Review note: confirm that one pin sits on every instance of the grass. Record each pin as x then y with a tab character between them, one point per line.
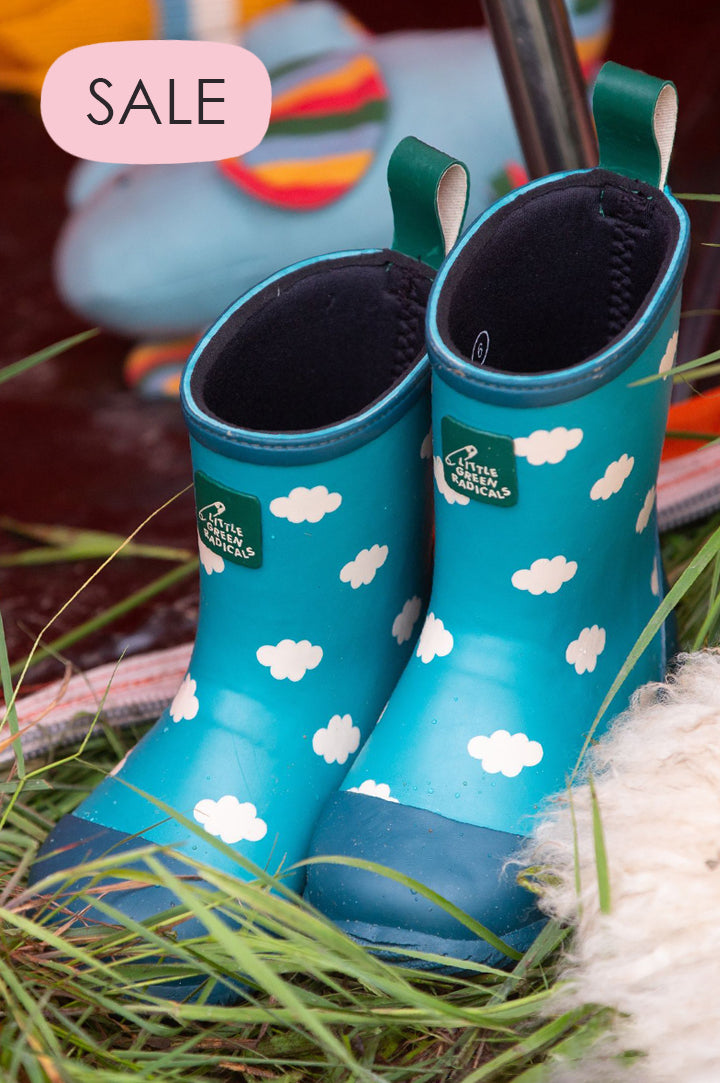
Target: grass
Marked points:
78	1004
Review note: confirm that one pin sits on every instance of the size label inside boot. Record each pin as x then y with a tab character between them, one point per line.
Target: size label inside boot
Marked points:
479	465
228	523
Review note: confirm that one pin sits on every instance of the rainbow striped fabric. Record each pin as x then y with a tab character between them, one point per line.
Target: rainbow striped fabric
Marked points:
326	123
154	368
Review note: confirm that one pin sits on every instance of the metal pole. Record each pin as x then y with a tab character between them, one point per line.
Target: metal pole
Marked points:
536	50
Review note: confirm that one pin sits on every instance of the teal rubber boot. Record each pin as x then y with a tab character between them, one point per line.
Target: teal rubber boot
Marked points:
543	324
308	410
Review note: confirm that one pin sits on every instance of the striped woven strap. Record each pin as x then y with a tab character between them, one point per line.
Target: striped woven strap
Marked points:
326	123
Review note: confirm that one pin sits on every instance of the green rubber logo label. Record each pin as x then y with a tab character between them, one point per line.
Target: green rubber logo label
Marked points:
228	523
479	465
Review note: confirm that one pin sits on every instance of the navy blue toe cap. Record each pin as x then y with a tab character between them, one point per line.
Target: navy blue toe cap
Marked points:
463	863
75	841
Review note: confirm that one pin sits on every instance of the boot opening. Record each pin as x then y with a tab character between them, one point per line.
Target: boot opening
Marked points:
557	275
318	346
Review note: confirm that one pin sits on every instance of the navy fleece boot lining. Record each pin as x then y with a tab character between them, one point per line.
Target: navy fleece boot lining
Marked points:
558	274
318	346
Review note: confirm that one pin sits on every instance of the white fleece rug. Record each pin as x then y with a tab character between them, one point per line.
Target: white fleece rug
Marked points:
656	956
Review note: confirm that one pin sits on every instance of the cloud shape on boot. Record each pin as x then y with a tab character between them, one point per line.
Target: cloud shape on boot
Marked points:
503	753
303	505
119	766
543	446
185	703
211	562
668	358
545	576
655	579
583	652
289	660
443	488
613	479
645	511
435	640
404	622
371	788
230	820
362	570
338	740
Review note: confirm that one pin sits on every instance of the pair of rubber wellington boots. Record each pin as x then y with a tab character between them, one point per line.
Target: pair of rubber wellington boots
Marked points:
551	330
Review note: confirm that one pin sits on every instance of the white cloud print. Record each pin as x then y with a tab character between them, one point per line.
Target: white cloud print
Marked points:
361	571
545	576
503	753
303	505
669	356
645	511
230	819
404	622
655	579
543	446
338	740
613	479
185	704
443	488
119	766
289	660
435	640
371	788
211	562
583	652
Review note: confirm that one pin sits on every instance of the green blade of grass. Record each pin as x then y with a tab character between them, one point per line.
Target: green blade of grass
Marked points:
528	1046
25	783
576	846
574	1048
101	620
74	543
10	716
265	977
695	567
679	434
27	661
26	363
701	366
713	609
601	862
90	551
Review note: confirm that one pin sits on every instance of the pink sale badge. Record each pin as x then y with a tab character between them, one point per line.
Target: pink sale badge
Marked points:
156	102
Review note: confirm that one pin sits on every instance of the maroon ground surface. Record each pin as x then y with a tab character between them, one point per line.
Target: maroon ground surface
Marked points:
77	448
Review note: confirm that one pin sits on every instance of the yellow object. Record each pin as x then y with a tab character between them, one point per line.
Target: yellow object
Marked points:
34	33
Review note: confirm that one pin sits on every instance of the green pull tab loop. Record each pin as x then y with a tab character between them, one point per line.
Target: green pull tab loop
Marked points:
429	194
635	116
